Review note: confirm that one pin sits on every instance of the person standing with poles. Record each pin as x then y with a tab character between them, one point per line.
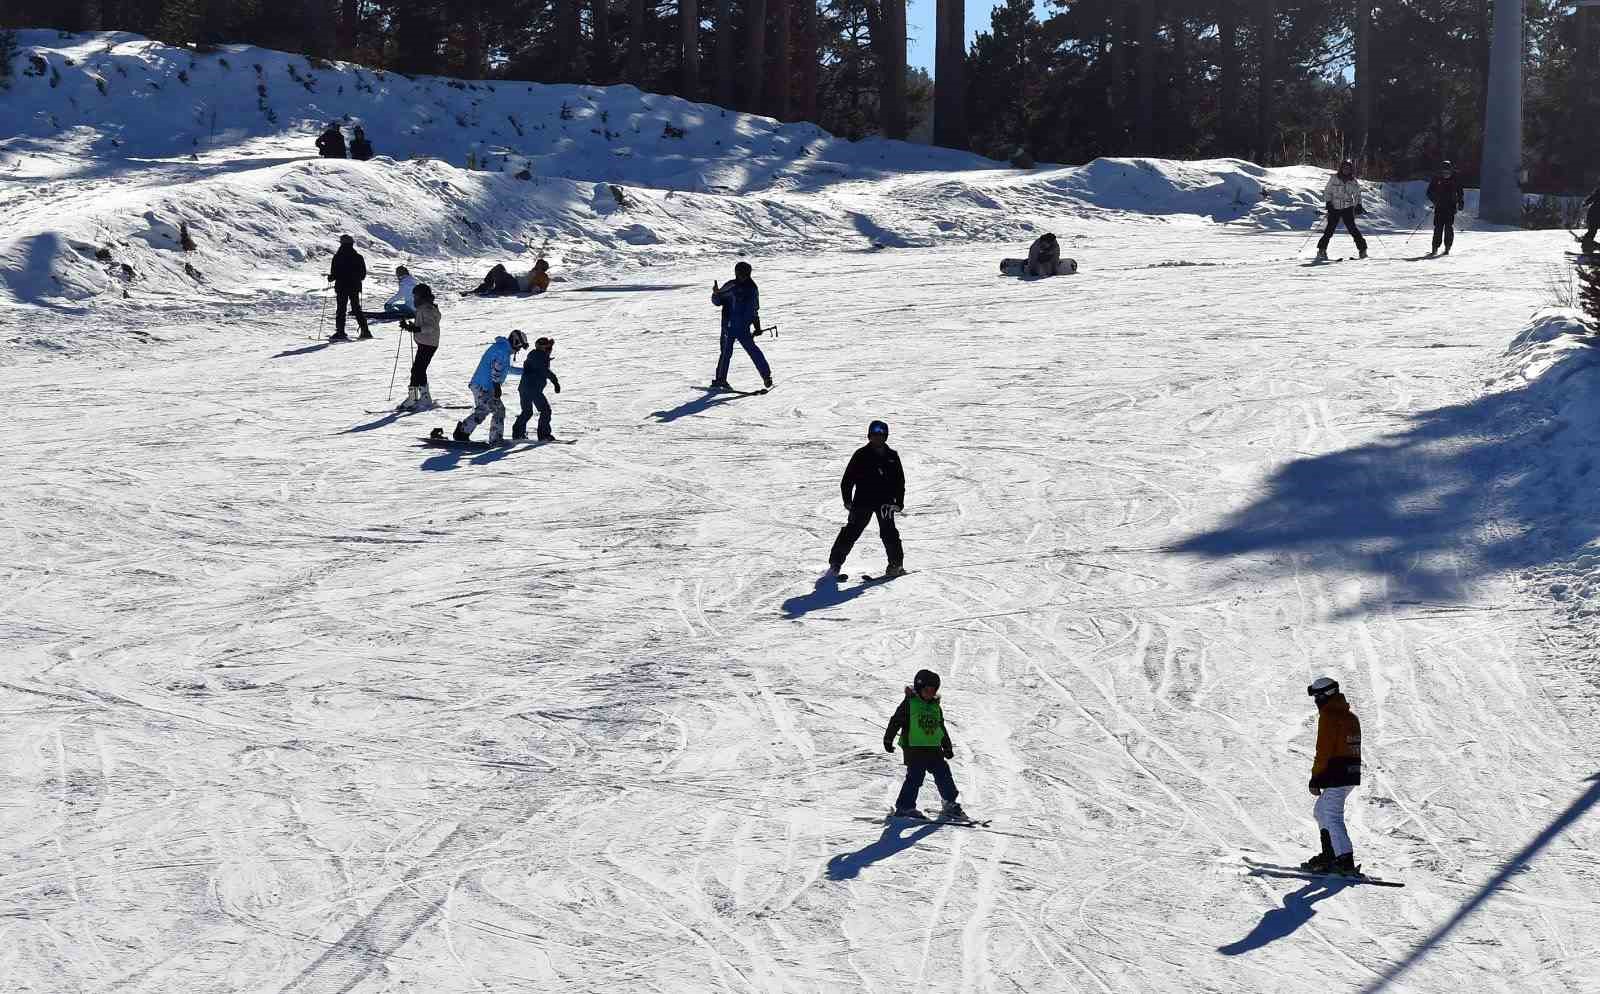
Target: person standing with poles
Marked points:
873	486
740	301
346	272
425	332
1447	197
1343	199
1335	771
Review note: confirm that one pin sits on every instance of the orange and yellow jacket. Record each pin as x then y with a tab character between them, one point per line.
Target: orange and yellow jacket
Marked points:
1338	762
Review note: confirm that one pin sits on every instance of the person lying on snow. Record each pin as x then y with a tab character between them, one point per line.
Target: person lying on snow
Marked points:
500	281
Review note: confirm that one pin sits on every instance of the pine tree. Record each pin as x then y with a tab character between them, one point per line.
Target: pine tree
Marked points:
1589	293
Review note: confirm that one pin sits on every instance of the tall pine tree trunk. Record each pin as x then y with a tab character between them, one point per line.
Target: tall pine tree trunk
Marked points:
892	97
635	66
567	39
949	75
600	62
1144	141
755	54
1229	70
782	65
1178	130
347	29
1358	139
689	27
724	53
809	54
1266	113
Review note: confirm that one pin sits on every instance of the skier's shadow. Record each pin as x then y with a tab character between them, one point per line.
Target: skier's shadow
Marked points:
291	353
699	404
825	594
895	838
387	419
1280	922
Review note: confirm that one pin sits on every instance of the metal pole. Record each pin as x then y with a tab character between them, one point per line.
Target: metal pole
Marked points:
1500	198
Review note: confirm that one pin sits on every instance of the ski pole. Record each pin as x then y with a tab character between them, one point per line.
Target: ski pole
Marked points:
323	320
1413	232
394	372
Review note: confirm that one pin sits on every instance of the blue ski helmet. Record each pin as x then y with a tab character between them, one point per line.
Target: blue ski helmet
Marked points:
878	428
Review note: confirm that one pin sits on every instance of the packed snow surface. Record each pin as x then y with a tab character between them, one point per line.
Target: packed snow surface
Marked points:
296	703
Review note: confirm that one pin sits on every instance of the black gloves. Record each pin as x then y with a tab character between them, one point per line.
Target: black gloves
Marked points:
948	750
888	745
1315	790
557	386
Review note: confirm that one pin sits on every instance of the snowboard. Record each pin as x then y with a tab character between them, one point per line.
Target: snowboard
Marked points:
1017	267
1275	870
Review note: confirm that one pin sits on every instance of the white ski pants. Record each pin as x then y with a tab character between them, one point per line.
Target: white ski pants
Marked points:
1330	817
486	407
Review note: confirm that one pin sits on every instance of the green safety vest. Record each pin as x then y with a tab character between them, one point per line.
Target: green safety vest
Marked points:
924	724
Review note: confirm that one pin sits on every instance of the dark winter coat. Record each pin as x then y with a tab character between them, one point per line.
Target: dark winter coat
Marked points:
1446	194
741	305
874	478
348	269
330	145
898	720
360	148
1338	759
1592	201
536	369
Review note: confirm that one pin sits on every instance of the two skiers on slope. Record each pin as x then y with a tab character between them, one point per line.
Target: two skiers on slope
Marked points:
740	301
425	332
918	727
1335	771
346	272
873	486
1447	197
330	144
1592	221
535	370
486	382
1342	196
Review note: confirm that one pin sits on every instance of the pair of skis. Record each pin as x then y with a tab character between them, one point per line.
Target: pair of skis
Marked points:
1260	869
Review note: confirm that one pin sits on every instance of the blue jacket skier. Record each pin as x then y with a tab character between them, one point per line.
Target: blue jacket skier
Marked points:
485	383
918	726
740	301
535	371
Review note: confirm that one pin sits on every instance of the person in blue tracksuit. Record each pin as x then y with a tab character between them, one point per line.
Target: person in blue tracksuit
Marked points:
741	311
485	384
535	370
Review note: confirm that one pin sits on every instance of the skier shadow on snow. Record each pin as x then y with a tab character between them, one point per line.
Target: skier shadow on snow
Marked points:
387	419
445	460
1281	922
895	839
305	350
824	594
1408	509
698	405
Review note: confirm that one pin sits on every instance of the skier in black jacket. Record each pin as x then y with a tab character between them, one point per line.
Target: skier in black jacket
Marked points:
360	148
874	485
535	370
346	272
330	144
1447	197
1592	201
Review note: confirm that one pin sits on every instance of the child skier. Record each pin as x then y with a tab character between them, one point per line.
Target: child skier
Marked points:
535	370
485	384
873	486
919	723
425	330
1335	770
740	301
1343	199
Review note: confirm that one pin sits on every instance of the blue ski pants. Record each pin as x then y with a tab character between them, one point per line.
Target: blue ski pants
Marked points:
918	766
751	349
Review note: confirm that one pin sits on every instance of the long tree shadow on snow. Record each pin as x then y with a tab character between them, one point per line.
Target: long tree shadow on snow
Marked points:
1281	922
1429	509
895	839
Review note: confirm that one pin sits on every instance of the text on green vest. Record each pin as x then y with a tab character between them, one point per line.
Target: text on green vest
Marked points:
924	724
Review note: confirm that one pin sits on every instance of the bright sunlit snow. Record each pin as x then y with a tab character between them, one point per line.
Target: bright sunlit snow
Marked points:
296	703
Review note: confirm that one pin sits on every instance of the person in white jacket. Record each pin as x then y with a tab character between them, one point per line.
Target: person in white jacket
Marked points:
1343	199
425	330
404	301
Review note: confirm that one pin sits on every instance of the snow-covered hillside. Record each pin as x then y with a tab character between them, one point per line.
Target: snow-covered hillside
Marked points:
294	702
108	142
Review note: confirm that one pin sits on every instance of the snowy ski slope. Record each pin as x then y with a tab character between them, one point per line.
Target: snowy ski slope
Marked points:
294	703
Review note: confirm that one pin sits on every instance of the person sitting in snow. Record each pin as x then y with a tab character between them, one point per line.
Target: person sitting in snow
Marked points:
535	370
923	738
1043	256
425	331
1343	199
486	382
1335	771
402	303
537	280
330	144
360	148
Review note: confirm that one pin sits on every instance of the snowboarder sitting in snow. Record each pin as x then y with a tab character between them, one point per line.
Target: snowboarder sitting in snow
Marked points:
425	331
485	384
537	280
499	280
1342	197
1447	197
873	485
1335	770
1043	255
1592	201
346	272
740	301
360	148
330	144
402	303
535	370
919	723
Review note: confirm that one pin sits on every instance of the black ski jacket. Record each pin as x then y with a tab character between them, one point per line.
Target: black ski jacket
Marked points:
348	269
330	144
535	370
361	149
874	478
1446	194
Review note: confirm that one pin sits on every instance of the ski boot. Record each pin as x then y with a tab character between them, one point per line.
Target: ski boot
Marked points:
952	812
894	569
719	385
365	336
461	434
1322	862
1446	250
830	575
519	436
545	436
1345	866
1433	253
766	382
1322	256
1361	254
338	336
909	813
424	401
410	403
